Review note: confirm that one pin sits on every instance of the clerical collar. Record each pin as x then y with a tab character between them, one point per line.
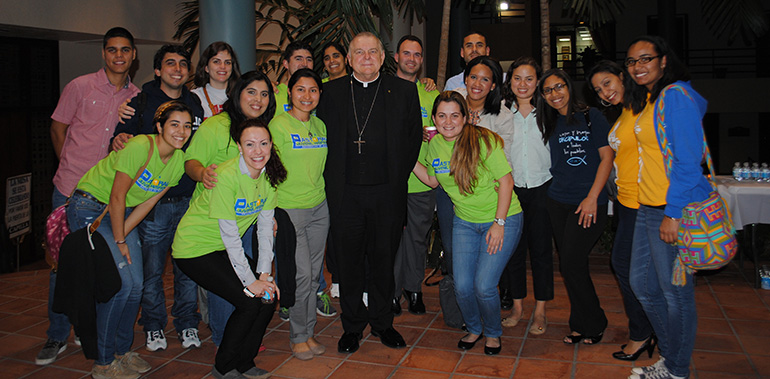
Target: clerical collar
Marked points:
363	83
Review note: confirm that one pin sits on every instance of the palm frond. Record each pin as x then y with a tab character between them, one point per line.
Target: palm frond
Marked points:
734	17
595	12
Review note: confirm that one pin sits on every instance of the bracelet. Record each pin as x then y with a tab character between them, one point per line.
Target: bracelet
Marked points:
671	218
121	242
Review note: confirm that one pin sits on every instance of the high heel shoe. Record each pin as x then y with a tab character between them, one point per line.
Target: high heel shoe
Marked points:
648	346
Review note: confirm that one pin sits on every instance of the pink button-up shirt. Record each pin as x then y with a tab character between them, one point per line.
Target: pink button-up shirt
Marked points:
89	105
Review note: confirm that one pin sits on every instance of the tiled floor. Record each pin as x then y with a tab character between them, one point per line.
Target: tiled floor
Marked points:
733	340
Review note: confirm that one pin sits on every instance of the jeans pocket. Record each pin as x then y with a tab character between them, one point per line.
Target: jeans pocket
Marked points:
82	211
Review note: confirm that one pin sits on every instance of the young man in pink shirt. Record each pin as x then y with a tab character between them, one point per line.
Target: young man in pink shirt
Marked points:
81	128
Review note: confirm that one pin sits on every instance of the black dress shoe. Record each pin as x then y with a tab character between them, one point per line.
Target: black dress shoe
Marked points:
390	338
493	350
506	299
416	306
468	345
395	306
348	343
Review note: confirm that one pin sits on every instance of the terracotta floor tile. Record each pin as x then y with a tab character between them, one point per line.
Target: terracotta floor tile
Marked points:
756	345
277	340
440	339
747	313
17	322
406	373
318	367
432	359
376	352
751	328
12	344
554	331
487	366
602	353
15	369
707	325
511	347
542	369
722	375
740	299
591	371
204	354
547	350
53	372
408	319
717	342
176	369
354	370
72	359
722	362
762	363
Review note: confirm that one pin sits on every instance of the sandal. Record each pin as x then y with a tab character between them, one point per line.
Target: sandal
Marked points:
592	340
538	328
572	339
511	321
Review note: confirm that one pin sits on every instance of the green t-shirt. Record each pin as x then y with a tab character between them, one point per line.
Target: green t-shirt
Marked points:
426	108
282	99
154	179
236	197
211	144
304	157
481	205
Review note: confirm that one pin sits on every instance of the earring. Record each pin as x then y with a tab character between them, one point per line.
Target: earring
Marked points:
606	104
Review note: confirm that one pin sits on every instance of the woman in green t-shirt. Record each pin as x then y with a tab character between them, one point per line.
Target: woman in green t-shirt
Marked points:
109	187
469	163
300	138
207	246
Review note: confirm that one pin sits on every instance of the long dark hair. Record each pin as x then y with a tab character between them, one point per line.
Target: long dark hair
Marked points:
629	101
674	70
492	102
304	73
276	172
202	77
508	95
233	104
547	115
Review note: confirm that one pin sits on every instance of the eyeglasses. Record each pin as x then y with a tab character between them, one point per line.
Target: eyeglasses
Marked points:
557	87
630	62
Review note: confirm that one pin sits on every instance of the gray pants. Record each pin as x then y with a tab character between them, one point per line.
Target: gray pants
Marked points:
409	269
312	227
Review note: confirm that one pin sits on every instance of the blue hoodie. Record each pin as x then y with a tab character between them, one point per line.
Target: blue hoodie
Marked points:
682	117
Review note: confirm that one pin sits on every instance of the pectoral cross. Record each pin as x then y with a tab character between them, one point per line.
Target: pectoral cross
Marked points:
359	142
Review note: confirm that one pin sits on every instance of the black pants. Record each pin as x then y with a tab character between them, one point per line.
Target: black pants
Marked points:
366	229
246	326
574	244
537	238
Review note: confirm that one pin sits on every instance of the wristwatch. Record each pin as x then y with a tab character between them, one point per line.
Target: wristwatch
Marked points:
500	221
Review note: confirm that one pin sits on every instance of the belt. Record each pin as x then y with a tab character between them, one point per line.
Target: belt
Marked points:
84	194
175	199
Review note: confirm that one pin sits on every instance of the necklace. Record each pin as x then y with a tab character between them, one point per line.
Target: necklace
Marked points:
309	133
360	130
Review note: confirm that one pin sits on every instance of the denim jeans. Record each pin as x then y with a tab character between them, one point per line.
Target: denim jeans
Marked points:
639	328
476	272
221	309
58	323
115	318
670	308
445	213
157	233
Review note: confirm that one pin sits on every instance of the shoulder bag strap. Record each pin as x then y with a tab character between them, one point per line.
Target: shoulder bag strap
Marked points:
98	221
208	99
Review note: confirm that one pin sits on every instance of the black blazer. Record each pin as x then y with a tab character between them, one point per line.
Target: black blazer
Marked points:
404	134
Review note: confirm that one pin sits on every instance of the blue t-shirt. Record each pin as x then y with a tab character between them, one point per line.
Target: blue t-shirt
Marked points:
575	157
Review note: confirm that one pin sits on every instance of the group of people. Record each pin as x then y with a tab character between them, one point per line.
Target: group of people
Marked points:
252	185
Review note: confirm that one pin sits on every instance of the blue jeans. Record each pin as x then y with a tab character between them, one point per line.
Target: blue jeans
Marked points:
115	318
58	323
670	308
157	233
476	272
221	309
639	328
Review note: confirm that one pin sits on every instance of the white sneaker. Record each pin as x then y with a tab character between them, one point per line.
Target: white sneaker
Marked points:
189	337
156	340
335	290
365	298
648	369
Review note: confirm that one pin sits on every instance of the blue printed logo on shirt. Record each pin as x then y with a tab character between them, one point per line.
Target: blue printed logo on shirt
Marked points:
244	208
314	142
147	183
440	167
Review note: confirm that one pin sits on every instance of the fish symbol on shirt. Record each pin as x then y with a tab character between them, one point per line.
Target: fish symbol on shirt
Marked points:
577	161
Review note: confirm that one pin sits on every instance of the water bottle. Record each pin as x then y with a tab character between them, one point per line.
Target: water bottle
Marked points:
737	171
756	173
745	171
267	298
765	173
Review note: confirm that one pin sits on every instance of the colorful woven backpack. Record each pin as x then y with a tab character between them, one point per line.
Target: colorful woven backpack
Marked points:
706	239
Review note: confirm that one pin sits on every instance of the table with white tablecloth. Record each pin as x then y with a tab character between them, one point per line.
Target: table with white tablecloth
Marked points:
749	204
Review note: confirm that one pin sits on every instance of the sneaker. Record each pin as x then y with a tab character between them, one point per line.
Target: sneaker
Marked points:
189	337
156	340
133	362
77	340
648	369
283	313
256	373
114	371
324	305
50	351
335	290
661	373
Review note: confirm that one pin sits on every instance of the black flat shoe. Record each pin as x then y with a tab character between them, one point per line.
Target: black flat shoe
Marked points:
390	338
493	350
648	346
468	345
506	299
348	343
573	339
395	306
414	299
